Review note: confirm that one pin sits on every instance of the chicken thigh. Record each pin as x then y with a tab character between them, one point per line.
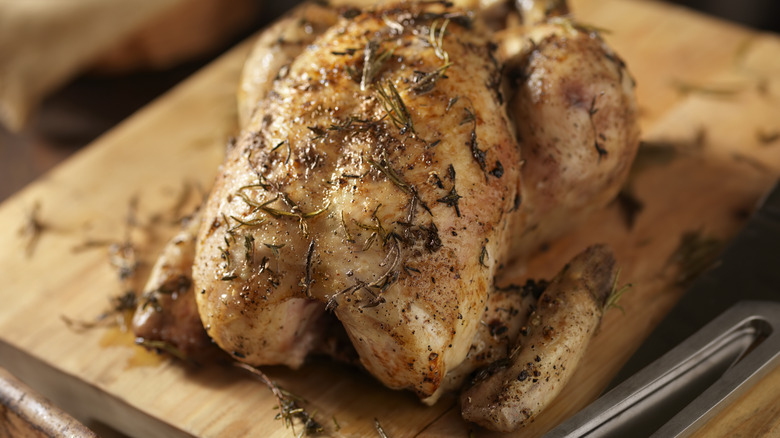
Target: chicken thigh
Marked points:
390	160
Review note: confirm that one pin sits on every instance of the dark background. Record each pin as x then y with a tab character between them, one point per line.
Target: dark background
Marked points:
90	105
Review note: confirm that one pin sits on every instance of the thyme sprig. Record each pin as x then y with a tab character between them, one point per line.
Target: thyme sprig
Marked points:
290	411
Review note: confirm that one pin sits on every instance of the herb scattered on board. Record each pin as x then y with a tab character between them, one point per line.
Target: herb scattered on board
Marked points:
483	255
164	347
695	254
615	294
32	229
121	307
630	206
717	90
767	137
651	154
122	257
290	411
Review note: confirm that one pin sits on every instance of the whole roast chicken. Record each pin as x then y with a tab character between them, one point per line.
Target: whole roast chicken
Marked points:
391	158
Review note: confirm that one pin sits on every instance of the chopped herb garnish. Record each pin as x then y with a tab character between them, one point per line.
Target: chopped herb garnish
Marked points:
274	248
427	81
346	230
249	247
289	152
318	132
450	103
483	255
591	112
307	278
451	200
498	171
477	153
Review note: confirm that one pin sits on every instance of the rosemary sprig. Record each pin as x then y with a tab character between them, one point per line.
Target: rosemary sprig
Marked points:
266	208
289	151
346	230
373	61
395	107
163	346
384	167
290	411
256	222
615	294
428	80
436	39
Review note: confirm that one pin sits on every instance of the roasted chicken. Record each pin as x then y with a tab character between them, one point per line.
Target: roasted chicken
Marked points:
390	159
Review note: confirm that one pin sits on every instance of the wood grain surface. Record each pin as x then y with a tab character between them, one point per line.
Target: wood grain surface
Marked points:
709	94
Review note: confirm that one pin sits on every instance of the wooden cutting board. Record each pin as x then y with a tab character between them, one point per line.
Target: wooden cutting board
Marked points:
709	93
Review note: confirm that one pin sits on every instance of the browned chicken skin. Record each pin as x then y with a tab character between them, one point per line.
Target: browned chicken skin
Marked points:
390	160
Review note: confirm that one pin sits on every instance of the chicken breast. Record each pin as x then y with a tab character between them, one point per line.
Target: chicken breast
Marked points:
370	179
